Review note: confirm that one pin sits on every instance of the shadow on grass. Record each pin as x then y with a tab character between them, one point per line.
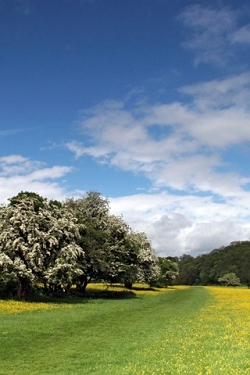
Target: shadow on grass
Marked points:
149	289
80	298
107	291
109	294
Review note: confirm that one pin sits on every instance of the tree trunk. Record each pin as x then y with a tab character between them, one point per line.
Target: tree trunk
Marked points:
82	283
128	284
22	288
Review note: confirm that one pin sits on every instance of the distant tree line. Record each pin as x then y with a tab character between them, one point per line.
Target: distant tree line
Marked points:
228	265
58	245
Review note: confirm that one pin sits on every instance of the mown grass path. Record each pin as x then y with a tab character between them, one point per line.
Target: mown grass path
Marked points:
191	331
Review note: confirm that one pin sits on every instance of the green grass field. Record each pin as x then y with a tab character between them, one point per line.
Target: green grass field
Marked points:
196	330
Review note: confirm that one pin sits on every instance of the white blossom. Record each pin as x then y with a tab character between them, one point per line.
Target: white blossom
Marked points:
35	242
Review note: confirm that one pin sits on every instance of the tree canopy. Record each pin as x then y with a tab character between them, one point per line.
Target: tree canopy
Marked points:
207	269
38	243
58	244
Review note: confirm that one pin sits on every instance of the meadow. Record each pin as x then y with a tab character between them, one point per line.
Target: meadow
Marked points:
178	330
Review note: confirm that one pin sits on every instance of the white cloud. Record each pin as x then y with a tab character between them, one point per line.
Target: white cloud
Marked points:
207	236
213	32
175	145
17	165
12	159
18	173
76	147
220	93
8	132
184	224
180	147
242	35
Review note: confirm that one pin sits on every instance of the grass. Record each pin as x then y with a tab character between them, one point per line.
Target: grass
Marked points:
195	331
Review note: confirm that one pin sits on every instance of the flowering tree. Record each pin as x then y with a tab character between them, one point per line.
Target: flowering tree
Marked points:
229	279
121	251
144	267
148	260
58	244
93	212
111	250
38	242
168	272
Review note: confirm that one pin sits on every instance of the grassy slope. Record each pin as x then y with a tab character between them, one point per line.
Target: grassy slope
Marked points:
91	338
178	332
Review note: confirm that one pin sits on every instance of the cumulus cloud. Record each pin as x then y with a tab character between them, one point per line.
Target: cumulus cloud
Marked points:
176	145
200	200
19	173
212	235
184	224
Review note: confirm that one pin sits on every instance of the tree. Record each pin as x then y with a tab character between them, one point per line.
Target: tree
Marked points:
188	273
111	251
139	262
132	271
206	269
93	212
229	279
148	270
121	252
38	243
168	272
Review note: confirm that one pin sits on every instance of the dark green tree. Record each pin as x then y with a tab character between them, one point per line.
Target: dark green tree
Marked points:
188	270
169	272
93	212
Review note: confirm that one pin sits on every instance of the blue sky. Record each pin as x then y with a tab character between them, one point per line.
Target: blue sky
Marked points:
146	101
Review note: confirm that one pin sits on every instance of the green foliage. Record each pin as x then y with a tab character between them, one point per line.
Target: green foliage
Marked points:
76	241
113	252
145	267
206	269
188	273
168	272
38	243
229	279
38	200
7	287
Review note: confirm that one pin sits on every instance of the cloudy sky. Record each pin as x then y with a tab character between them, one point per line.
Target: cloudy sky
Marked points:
146	101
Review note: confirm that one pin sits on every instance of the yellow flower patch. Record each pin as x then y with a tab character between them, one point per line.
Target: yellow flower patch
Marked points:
12	307
138	289
156	291
229	297
213	340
